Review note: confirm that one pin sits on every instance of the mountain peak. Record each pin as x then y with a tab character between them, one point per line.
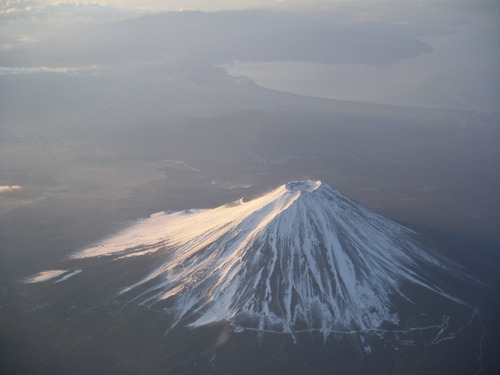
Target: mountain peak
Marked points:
307	186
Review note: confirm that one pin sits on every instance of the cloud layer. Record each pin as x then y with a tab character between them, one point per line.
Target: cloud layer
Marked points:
15	70
5	188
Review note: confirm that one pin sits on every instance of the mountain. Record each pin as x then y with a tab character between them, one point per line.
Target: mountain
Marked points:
303	257
302	280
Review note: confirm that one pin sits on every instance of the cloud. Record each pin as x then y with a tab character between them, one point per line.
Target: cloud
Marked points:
9	10
28	11
5	188
15	70
18	6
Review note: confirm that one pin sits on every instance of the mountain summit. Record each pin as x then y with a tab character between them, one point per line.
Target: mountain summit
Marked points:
302	257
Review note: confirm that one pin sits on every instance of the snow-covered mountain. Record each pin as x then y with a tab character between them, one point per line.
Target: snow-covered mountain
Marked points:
302	257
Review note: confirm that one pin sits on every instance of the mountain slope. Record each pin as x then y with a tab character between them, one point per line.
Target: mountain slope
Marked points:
301	257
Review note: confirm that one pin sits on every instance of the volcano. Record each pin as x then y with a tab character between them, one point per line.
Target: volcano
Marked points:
303	257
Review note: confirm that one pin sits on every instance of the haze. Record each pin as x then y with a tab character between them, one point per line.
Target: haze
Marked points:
113	110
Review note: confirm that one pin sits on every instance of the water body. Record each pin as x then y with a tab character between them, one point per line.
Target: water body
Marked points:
451	77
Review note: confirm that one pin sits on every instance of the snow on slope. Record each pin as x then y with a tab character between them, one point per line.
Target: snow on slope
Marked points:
303	255
44	276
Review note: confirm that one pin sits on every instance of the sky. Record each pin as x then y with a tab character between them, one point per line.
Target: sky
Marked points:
15	8
204	5
163	5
